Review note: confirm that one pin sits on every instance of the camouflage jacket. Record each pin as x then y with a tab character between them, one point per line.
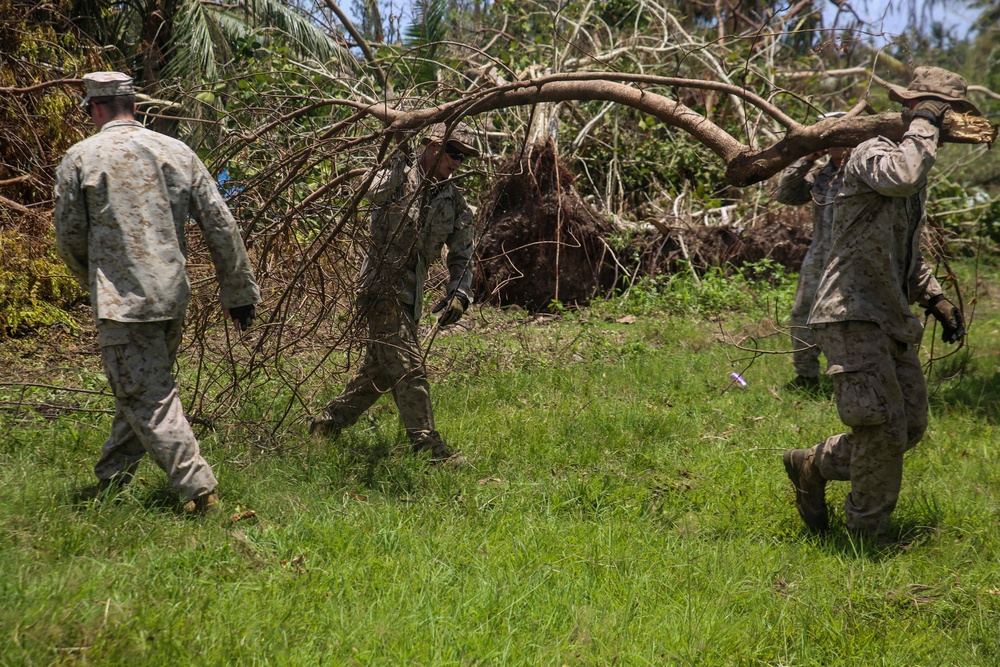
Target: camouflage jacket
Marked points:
411	221
875	268
804	182
122	199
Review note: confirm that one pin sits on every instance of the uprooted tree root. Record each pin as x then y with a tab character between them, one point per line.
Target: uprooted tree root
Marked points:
539	240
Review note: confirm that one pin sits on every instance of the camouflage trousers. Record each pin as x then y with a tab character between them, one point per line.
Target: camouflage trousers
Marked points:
882	395
149	418
393	363
805	351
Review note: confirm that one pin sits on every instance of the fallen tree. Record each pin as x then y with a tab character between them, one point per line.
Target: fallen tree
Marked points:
745	165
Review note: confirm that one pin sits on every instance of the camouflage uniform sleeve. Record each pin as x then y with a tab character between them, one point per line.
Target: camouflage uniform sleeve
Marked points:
388	180
923	285
795	186
237	286
72	225
898	170
461	245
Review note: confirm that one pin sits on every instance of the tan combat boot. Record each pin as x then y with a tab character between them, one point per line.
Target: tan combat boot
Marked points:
206	503
325	427
810	488
439	454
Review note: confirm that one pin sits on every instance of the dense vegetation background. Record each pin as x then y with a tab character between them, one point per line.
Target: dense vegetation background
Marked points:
625	501
272	95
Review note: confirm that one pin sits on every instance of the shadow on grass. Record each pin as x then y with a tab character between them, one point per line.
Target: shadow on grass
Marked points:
142	498
374	461
910	526
975	389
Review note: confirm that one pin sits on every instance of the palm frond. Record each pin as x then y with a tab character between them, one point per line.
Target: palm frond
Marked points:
305	38
198	49
427	29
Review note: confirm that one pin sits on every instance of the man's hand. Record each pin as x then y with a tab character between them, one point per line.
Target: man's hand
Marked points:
951	318
243	316
931	110
451	308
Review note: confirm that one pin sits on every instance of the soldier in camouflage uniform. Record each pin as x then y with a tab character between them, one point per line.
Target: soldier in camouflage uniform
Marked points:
806	182
862	318
122	199
416	210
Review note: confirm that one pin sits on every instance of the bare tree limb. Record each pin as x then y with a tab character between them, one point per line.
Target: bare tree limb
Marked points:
358	39
15	180
42	86
850	71
13	204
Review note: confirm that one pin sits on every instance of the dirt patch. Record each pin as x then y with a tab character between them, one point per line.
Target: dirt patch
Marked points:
539	240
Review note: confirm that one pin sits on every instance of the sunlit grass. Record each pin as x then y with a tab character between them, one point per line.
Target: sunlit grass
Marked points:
625	503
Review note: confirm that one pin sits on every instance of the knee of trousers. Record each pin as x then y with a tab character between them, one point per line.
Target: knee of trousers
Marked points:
861	399
916	426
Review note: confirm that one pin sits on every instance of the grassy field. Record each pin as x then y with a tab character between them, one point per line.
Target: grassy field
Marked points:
625	504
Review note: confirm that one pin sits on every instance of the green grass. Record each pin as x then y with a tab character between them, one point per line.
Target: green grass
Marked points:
624	505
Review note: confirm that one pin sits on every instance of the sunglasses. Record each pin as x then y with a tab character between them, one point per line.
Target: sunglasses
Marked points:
454	153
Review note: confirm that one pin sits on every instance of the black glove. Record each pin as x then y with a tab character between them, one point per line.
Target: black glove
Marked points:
452	307
243	316
950	317
931	110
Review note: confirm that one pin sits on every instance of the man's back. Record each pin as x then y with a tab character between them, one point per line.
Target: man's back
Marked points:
875	268
123	197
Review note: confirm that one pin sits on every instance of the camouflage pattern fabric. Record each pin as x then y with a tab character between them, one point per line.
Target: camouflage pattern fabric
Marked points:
410	224
875	269
393	363
122	199
149	418
862	320
882	395
806	182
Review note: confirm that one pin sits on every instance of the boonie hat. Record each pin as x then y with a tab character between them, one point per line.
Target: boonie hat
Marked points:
937	83
106	84
461	137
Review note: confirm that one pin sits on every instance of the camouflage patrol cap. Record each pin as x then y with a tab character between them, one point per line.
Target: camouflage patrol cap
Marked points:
106	84
461	136
936	83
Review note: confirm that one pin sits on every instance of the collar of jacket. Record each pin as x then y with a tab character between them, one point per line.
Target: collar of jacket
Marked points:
111	124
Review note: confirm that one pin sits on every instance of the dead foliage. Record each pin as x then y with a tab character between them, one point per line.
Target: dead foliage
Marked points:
781	234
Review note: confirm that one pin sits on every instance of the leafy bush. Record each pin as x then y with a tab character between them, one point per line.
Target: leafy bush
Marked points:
35	289
752	288
965	211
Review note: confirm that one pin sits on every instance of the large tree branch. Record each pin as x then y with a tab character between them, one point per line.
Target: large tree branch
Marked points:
745	166
755	166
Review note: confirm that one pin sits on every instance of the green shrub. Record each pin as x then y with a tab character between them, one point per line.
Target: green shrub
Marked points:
752	289
35	289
